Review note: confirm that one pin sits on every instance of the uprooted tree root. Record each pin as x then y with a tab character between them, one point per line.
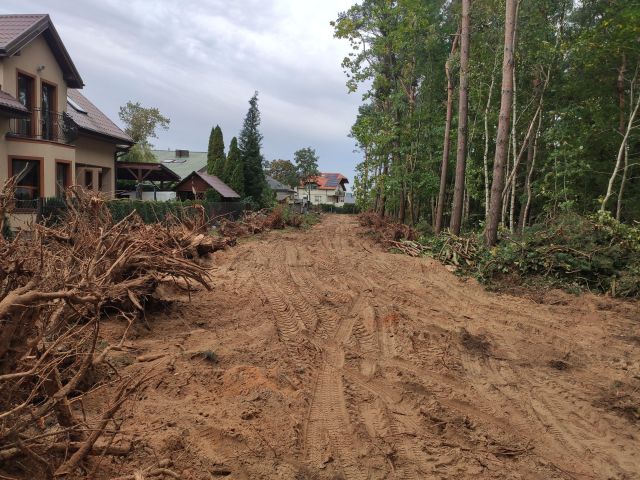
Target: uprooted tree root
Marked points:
56	283
252	223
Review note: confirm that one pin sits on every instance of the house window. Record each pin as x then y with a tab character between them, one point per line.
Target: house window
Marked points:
29	182
88	179
25	97
63	174
317	199
48	114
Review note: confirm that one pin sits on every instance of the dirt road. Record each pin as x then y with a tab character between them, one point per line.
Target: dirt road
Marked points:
336	359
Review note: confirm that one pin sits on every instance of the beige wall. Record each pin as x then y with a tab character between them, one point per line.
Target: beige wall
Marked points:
46	151
35	54
98	156
326	196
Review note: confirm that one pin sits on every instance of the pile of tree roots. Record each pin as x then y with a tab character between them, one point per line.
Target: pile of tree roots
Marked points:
252	223
57	284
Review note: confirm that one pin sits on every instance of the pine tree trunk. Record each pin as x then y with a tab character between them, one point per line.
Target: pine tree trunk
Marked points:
485	158
514	144
502	137
463	107
447	139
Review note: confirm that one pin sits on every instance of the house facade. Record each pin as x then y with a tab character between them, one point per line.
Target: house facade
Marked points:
51	136
327	188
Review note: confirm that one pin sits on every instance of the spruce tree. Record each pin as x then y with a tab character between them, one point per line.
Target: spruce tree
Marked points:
216	158
234	168
250	142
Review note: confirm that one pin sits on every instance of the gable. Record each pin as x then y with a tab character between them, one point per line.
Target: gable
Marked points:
17	32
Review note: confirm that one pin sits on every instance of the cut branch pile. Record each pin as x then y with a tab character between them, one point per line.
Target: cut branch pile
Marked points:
56	283
388	231
260	221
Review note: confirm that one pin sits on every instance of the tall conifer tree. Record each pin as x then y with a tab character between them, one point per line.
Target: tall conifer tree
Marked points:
250	143
234	168
216	158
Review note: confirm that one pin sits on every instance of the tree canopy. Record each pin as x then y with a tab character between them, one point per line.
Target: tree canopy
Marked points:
284	171
141	124
571	139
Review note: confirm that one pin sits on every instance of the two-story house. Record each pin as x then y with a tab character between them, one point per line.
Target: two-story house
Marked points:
327	188
51	136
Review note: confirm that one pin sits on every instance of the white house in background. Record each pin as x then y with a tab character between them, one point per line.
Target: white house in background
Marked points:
327	188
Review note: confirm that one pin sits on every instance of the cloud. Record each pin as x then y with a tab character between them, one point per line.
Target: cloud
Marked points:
200	62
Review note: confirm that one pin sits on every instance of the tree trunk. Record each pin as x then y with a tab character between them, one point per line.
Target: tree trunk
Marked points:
621	107
383	194
502	137
447	139
485	158
463	107
527	184
625	175
621	151
527	207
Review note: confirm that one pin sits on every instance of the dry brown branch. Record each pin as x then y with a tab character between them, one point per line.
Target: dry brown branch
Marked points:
52	301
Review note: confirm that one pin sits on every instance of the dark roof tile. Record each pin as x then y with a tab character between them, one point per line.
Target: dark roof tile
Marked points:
9	102
13	26
93	121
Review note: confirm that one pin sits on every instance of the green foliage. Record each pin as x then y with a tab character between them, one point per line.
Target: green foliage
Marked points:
348	208
212	196
216	159
154	212
306	162
572	50
234	168
139	153
284	171
571	251
250	144
141	123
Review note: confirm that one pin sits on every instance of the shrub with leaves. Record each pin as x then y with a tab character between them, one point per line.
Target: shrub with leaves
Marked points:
596	253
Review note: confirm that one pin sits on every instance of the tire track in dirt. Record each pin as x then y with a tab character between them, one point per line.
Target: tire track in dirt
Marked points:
365	374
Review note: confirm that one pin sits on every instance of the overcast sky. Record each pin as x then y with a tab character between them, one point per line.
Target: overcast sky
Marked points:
199	62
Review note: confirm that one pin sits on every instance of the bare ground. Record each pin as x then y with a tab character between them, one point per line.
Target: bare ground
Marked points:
320	356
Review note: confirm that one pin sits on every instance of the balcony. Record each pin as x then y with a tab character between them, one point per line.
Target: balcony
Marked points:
49	126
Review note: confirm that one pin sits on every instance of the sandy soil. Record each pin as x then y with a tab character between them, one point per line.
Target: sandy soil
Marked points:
320	356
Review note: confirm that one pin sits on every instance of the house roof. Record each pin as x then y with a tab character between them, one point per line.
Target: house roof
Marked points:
276	185
214	182
9	103
17	31
90	119
183	166
329	181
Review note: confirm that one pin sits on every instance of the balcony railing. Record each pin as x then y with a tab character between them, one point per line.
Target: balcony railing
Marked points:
45	125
